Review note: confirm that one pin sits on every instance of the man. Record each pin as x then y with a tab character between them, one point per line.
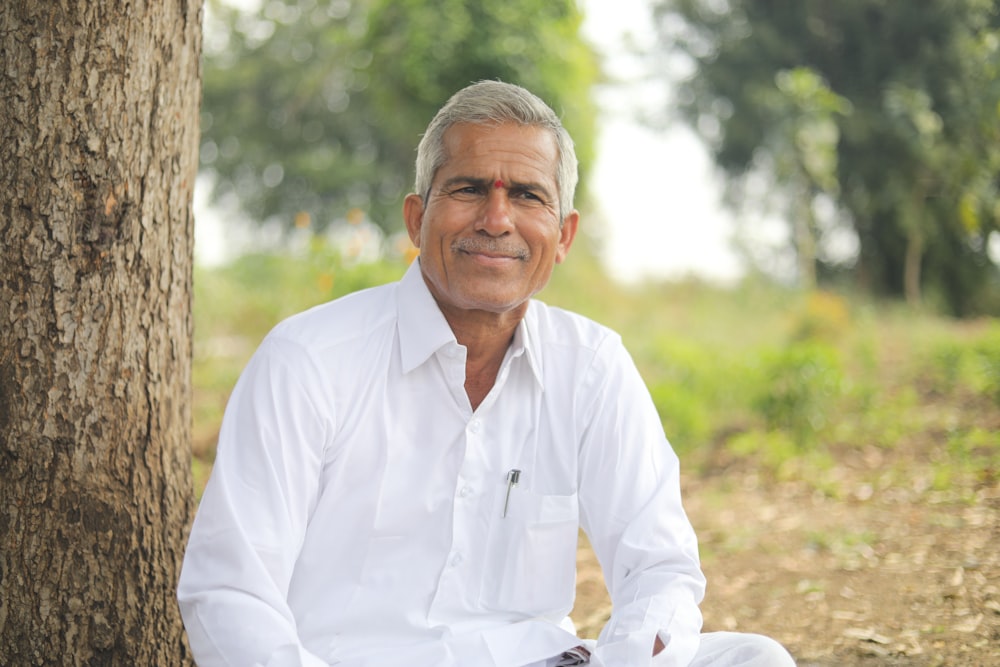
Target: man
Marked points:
401	473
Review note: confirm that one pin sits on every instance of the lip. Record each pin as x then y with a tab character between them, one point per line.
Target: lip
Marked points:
492	255
489	258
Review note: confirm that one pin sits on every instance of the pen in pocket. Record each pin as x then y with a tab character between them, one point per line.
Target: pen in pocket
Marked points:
512	479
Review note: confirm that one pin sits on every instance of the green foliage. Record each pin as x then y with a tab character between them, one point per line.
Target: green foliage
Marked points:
810	111
313	109
788	382
825	317
890	110
975	452
800	388
688	383
970	367
249	296
782	456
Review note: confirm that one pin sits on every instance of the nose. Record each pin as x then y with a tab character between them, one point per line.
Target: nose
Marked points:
495	217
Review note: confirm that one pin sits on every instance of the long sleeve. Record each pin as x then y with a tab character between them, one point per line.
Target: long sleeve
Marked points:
632	513
252	519
352	514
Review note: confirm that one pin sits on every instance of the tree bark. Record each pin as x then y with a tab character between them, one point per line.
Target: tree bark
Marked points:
803	225
98	157
911	267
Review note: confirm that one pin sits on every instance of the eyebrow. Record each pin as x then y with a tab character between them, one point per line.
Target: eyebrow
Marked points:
486	183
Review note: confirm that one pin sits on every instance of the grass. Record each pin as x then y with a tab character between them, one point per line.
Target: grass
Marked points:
785	379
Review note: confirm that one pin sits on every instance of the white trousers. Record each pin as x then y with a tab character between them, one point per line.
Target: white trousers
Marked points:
739	649
726	649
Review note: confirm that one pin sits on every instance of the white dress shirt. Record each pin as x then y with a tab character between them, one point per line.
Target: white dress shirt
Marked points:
359	512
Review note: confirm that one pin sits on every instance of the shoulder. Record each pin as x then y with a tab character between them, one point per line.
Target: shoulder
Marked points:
574	349
355	317
326	349
556	327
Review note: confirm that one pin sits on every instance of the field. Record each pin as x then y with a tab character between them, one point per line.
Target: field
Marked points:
841	456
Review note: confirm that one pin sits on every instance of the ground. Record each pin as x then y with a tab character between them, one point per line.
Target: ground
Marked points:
879	545
888	564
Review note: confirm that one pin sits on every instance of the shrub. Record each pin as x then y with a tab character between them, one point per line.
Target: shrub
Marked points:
696	389
824	317
960	365
801	385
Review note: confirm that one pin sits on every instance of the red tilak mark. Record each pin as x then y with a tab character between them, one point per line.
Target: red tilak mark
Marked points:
498	184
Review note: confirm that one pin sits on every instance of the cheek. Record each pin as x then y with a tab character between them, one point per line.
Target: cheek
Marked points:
553	247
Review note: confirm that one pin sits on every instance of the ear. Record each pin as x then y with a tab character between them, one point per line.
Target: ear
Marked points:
413	216
566	235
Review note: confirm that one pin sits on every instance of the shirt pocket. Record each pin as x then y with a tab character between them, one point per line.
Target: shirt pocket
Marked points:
530	562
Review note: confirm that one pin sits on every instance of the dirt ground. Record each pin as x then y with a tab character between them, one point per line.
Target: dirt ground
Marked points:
888	565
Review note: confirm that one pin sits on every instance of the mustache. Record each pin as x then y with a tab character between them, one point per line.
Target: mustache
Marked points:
490	246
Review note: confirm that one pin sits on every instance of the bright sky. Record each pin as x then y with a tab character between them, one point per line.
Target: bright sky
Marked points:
655	189
657	196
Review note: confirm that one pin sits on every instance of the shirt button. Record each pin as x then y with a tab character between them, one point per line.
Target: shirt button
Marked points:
464	493
456	560
474	425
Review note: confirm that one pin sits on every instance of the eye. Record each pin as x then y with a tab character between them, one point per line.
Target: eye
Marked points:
528	195
465	191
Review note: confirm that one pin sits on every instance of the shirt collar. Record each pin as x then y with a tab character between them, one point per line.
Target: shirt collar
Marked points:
423	330
526	339
422	327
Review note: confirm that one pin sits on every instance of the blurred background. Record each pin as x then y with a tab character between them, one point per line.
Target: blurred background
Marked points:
857	144
791	212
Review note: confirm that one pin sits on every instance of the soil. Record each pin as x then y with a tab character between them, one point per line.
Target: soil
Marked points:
893	562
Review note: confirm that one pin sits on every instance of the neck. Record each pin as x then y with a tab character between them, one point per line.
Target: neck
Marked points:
486	337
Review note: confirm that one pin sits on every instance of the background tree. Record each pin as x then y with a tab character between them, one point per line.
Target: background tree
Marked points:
99	146
313	109
802	148
918	156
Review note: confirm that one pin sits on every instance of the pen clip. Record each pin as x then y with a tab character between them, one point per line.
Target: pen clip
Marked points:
513	477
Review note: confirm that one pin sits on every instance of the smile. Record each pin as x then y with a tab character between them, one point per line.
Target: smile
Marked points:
489	251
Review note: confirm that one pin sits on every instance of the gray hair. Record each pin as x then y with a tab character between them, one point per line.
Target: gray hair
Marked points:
495	102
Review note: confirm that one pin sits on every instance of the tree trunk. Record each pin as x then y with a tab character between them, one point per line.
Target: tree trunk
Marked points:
98	155
915	243
911	268
805	243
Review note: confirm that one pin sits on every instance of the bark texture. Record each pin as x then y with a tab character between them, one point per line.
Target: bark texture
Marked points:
98	156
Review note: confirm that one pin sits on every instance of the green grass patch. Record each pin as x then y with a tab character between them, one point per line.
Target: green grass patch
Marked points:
777	378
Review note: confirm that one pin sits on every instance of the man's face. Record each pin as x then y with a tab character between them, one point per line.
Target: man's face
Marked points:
489	233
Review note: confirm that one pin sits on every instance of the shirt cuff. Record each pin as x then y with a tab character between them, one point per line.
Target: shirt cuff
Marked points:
629	636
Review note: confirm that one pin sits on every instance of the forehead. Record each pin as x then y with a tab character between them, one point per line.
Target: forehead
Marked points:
506	149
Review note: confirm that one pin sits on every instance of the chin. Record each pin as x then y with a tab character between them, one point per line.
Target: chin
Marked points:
495	305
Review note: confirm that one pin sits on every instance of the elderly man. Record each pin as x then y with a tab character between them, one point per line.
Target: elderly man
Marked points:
402	473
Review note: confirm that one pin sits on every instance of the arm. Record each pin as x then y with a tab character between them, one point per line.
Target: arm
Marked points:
253	516
632	513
